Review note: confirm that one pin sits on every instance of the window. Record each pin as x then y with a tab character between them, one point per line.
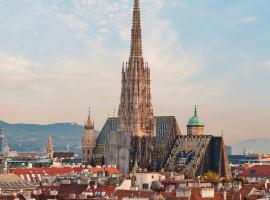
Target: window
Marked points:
253	171
145	186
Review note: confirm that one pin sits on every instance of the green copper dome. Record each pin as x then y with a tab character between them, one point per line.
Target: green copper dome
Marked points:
195	120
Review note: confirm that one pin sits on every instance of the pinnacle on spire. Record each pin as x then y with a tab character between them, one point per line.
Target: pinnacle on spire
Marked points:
136	33
195	111
137	5
89	123
50	142
89	114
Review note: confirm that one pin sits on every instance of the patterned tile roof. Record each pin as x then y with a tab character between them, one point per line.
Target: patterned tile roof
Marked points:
109	126
187	154
164	127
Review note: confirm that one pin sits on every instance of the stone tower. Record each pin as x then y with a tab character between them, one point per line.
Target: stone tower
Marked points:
89	141
195	126
1	139
135	113
50	147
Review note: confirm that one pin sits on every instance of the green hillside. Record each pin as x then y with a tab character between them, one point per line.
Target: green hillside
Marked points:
33	137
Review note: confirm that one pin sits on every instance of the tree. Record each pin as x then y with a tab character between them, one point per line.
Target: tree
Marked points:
212	177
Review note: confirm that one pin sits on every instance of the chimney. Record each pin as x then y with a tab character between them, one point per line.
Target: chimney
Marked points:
266	184
219	186
225	195
237	187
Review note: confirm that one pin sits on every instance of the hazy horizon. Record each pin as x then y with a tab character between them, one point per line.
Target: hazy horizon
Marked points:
57	58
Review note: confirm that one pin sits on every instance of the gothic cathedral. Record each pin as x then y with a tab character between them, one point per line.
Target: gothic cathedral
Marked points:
153	143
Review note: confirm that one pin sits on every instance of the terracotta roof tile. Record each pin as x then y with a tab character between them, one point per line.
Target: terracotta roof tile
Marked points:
35	174
107	190
255	171
64	155
66	189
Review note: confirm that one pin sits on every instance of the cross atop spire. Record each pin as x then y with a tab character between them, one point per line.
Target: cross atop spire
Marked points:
136	33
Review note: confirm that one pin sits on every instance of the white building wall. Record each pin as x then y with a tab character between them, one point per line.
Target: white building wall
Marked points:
143	179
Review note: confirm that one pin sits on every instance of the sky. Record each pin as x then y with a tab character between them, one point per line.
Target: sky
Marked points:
58	57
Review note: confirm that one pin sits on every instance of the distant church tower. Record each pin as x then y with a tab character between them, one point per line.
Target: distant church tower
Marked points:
89	141
195	126
135	113
50	147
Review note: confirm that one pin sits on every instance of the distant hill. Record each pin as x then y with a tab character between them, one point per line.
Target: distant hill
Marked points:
32	137
258	145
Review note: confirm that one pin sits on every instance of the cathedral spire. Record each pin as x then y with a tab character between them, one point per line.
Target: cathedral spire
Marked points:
135	113
50	147
89	124
136	32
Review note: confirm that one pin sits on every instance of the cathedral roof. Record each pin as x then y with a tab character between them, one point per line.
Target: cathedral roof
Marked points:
165	125
195	120
110	126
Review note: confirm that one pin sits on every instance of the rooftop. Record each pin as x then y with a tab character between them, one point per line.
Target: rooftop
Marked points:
256	171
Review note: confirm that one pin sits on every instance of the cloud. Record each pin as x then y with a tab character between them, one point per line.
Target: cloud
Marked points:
248	68
73	23
97	66
16	72
73	72
249	19
266	64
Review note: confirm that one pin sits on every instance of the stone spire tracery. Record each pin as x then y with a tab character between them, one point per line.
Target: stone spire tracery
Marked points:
136	32
135	110
137	127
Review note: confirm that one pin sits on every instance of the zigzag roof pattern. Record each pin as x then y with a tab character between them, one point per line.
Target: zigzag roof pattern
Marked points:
164	127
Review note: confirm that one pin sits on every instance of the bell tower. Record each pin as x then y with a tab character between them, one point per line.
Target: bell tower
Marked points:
195	126
89	141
